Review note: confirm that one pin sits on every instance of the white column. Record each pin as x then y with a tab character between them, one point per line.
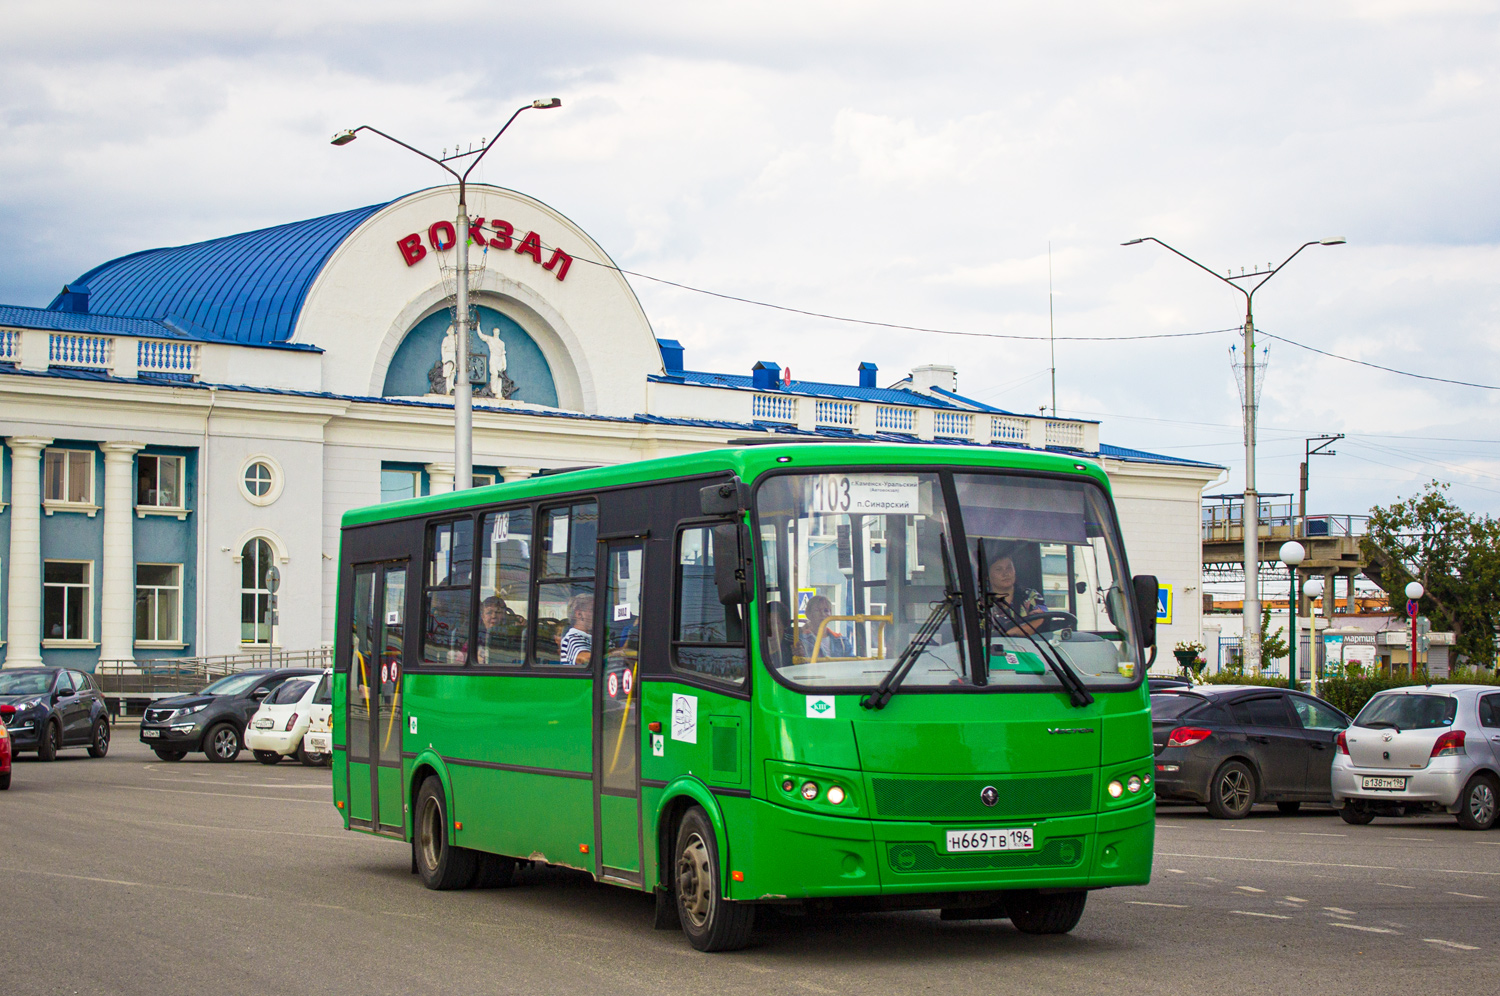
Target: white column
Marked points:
23	622
439	478
117	572
513	472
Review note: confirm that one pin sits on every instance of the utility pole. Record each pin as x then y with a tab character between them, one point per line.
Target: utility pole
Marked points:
1311	451
1051	331
1251	610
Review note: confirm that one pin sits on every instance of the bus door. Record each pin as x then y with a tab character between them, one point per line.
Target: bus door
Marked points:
617	748
375	714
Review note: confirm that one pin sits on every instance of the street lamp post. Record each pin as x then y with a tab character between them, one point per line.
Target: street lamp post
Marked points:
1314	591
1414	593
1292	554
463	388
1251	610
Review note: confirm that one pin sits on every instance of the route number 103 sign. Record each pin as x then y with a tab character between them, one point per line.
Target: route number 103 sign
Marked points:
865	494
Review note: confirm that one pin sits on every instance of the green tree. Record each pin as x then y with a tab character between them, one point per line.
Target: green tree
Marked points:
1273	646
1456	557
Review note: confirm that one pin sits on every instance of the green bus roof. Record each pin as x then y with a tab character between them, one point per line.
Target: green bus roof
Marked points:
748	462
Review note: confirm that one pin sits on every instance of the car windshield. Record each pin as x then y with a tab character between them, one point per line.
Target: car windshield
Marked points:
325	691
1408	712
1172	705
290	691
854	564
235	684
32	683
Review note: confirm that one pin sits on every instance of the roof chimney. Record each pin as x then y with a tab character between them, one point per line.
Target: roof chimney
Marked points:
925	378
671	355
867	374
74	298
766	376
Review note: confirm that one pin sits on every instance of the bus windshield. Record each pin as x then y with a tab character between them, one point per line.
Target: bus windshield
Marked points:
854	564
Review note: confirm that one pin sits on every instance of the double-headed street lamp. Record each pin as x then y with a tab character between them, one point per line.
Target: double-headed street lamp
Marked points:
463	390
1292	555
1251	517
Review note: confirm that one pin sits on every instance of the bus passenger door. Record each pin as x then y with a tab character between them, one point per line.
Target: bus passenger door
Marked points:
375	715
617	697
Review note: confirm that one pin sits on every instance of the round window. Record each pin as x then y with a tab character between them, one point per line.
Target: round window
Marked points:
258	479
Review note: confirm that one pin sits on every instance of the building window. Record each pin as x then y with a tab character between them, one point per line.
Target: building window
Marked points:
68	477
255	595
158	481
398	484
483	480
66	603
158	603
261	480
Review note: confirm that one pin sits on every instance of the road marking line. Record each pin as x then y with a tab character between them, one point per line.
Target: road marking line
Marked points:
1467	895
1238	830
1450	944
1176	871
1340	910
1393	885
231	795
1308	833
1170	906
1210	878
1249	888
200	826
1321	864
1268	916
1368	930
1294	899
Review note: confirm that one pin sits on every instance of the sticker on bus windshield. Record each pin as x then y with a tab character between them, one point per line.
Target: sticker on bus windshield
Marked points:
685	718
820	707
1021	662
874	494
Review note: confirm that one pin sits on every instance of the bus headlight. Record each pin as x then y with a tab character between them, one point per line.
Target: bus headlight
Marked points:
1116	789
1134	784
835	794
809	791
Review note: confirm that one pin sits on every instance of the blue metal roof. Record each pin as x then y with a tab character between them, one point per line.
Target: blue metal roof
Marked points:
1129	455
245	288
813	388
17	317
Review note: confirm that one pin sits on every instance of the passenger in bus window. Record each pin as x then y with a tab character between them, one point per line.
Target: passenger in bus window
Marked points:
500	630
578	642
779	633
820	608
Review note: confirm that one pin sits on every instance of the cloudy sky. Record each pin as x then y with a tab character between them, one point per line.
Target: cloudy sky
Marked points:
901	163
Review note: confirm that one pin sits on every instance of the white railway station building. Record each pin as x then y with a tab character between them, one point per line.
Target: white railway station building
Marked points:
179	420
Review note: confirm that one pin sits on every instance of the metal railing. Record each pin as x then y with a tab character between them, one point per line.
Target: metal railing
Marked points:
1224	522
159	677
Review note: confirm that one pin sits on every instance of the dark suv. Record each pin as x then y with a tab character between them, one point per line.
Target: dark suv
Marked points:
48	708
214	719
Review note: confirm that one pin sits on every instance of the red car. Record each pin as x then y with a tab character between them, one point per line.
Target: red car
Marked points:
4	757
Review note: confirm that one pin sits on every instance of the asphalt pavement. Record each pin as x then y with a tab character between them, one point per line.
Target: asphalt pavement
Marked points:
134	876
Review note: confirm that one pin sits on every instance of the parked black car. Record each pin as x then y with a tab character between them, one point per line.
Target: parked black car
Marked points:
1231	746
214	719
49	708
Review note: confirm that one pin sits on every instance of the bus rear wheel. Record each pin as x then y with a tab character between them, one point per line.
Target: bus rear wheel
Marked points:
711	922
439	862
1046	913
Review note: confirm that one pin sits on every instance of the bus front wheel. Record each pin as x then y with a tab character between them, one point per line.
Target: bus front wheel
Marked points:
1046	913
710	922
439	862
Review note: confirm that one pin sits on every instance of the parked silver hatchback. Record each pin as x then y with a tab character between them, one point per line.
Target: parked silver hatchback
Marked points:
1426	748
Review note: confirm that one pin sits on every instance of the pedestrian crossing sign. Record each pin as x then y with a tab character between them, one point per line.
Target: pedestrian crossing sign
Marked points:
1164	603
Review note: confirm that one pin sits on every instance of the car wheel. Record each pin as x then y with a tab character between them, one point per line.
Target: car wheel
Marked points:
710	922
4	781
1054	913
1477	803
46	749
441	864
1232	794
170	755
222	743
1289	807
312	759
267	756
1356	815
99	740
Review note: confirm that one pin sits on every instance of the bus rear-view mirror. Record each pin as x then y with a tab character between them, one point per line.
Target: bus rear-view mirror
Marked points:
730	547
1145	607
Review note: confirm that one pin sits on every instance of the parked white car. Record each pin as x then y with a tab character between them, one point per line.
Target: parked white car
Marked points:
1422	749
280	726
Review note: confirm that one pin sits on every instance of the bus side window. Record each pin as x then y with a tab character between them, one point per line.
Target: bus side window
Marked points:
504	583
565	585
448	593
709	637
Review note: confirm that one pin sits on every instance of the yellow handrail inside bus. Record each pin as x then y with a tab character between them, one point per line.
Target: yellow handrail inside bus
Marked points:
823	628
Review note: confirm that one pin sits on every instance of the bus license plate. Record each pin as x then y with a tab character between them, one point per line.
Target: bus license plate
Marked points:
990	840
1378	782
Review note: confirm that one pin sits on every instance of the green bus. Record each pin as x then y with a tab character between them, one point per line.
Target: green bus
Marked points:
843	676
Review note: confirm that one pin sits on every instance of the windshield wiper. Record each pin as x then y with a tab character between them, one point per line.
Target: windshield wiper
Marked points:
1072	684
949	605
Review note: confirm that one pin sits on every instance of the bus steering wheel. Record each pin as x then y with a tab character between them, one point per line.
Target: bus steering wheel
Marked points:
1051	620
